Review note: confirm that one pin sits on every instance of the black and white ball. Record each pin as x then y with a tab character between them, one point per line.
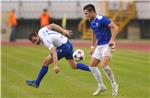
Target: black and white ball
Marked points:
78	55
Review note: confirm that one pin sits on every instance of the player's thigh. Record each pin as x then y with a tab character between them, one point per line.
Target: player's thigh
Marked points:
48	60
97	53
94	62
72	63
106	56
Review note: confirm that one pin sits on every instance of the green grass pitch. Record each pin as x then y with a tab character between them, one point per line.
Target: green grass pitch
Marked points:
20	63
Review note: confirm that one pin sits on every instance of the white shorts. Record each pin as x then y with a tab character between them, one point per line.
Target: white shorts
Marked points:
101	51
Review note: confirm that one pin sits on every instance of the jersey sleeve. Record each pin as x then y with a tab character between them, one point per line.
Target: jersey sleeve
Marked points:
105	21
48	44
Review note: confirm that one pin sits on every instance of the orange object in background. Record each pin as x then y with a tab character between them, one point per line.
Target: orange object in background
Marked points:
44	19
12	21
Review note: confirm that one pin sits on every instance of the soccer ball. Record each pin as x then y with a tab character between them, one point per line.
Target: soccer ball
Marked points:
78	55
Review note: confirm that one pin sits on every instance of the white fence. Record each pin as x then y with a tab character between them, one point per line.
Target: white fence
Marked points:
32	9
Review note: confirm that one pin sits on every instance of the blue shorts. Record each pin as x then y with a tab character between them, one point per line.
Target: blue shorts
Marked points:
65	50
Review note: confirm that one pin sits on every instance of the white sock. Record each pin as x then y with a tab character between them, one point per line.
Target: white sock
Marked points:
109	74
96	73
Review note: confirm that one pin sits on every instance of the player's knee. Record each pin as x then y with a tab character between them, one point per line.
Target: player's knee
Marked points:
103	64
94	62
45	62
73	66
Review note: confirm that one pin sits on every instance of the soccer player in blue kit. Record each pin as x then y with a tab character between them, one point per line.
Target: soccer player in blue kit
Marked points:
59	47
105	39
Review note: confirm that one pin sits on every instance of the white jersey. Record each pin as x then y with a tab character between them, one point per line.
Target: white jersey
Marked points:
51	38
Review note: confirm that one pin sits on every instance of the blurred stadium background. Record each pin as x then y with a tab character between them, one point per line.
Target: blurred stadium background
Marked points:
131	16
21	60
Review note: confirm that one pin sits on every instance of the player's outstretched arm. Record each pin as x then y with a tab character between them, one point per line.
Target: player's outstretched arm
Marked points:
55	60
59	29
115	29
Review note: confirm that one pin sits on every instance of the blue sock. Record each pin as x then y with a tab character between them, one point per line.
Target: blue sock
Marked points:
83	67
42	73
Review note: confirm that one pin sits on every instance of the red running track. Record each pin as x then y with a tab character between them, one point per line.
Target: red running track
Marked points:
142	46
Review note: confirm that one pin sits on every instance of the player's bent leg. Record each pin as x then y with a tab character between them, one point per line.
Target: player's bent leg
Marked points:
48	60
96	73
35	83
94	62
105	61
76	65
109	74
72	63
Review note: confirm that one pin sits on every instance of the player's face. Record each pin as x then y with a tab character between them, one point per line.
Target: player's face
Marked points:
88	15
36	40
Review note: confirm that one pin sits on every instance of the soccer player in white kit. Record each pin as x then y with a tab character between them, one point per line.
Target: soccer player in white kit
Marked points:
59	47
104	35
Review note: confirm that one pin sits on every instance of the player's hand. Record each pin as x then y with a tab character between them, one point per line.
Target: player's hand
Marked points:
68	32
56	69
112	45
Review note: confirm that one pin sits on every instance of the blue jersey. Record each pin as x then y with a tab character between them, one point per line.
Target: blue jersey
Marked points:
100	27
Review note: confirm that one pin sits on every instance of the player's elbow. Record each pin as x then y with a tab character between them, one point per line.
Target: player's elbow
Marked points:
52	24
117	28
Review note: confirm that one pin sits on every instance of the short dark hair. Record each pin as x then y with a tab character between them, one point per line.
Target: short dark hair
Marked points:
32	35
44	10
89	7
